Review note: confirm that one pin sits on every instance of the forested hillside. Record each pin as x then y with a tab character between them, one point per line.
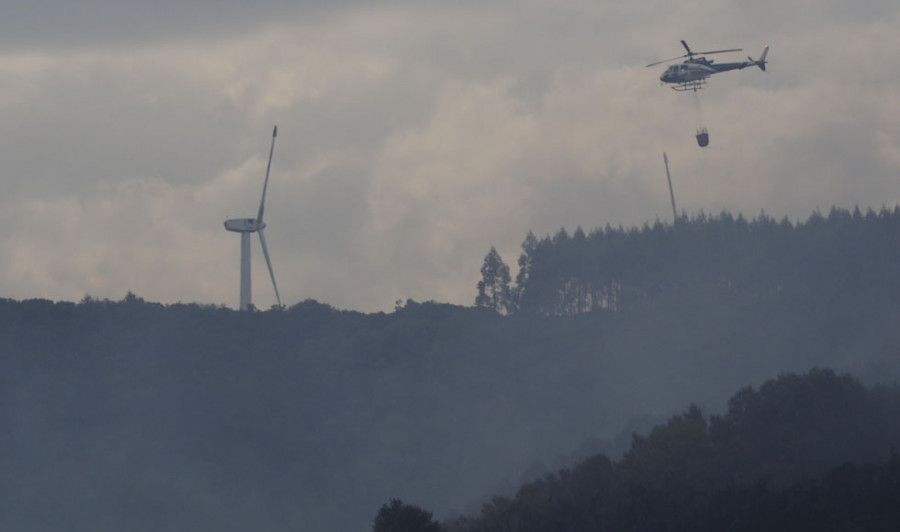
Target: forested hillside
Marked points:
803	452
131	415
847	258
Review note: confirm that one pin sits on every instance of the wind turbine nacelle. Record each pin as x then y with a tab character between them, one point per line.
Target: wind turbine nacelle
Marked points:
244	225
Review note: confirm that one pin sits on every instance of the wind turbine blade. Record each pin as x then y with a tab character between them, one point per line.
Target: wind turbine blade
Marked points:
262	240
262	202
671	191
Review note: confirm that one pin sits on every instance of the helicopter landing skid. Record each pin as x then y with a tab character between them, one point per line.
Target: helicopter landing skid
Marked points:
689	85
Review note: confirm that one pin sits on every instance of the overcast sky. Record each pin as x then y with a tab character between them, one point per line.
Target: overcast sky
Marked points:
413	136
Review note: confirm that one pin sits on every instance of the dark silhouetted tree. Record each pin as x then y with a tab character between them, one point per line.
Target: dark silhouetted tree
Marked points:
397	516
528	247
493	289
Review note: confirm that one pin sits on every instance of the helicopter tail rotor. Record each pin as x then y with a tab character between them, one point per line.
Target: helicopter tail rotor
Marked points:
761	63
762	59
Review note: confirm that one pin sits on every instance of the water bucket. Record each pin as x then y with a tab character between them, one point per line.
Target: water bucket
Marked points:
702	137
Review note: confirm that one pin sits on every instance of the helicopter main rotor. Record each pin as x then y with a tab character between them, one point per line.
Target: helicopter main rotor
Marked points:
690	54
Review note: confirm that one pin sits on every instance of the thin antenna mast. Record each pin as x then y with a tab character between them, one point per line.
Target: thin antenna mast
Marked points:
671	192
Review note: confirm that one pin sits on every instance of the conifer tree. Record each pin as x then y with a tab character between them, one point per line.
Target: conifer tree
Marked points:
397	516
493	289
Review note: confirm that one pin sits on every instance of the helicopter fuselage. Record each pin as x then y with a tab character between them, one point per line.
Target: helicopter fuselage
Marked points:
698	69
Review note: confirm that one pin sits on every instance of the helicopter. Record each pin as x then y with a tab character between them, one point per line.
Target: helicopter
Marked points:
693	73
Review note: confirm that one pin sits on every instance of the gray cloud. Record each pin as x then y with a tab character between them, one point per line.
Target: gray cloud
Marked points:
49	24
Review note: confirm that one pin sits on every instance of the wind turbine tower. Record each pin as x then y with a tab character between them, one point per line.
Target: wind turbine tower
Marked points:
246	226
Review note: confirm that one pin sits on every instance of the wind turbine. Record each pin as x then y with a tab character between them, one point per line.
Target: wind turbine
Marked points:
245	226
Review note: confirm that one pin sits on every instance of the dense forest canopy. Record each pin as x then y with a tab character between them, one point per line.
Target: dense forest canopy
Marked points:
131	415
812	452
845	258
